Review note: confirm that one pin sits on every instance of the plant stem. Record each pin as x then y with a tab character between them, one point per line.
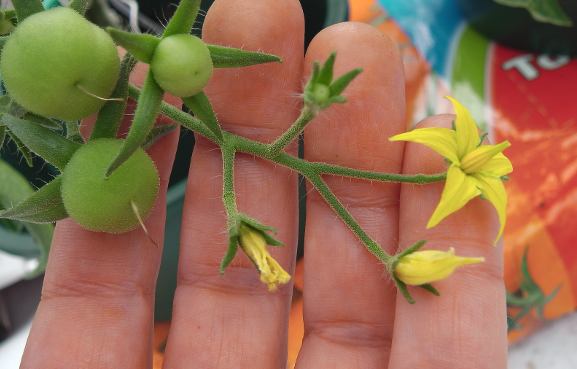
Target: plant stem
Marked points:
307	114
228	193
312	171
324	190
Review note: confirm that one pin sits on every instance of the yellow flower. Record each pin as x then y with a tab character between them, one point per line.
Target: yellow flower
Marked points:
254	244
474	169
423	267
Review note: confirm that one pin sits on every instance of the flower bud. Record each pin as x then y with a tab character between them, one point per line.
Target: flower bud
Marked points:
253	243
423	267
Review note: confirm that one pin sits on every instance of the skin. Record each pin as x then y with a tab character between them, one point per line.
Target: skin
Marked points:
98	290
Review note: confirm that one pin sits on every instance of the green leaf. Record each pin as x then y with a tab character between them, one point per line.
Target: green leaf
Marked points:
25	8
183	19
26	154
144	118
2	136
111	114
45	143
546	11
326	74
14	188
230	57
42	206
157	133
202	109
140	45
339	85
80	5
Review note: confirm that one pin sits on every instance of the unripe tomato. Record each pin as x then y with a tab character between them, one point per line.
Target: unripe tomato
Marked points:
105	204
55	60
182	65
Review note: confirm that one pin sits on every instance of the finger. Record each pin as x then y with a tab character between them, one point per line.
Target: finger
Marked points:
232	321
348	301
96	309
466	326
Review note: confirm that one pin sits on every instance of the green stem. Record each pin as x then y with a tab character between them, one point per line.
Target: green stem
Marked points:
312	171
307	115
262	150
228	193
324	190
337	170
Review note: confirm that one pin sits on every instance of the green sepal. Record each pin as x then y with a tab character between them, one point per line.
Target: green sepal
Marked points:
230	252
111	114
24	151
183	19
43	206
230	57
80	6
402	287
139	45
326	73
321	91
44	142
338	86
200	105
25	8
43	121
264	230
144	118
413	248
157	133
73	132
429	288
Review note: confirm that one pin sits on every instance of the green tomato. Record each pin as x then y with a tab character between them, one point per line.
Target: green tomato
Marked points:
105	204
182	65
57	64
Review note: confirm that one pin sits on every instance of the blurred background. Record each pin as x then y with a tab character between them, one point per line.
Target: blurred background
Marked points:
510	61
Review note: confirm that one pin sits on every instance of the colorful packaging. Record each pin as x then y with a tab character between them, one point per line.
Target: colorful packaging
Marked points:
516	96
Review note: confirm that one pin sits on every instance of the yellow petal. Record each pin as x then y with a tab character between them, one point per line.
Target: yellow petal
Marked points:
476	159
253	244
441	140
466	129
429	266
493	190
498	166
459	189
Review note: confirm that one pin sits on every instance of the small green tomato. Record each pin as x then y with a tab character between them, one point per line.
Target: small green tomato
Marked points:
182	65
57	64
108	204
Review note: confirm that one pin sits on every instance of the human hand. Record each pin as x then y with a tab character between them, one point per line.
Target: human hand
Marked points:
97	304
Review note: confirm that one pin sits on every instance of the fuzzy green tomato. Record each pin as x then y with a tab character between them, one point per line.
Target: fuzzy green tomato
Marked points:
106	204
182	65
54	60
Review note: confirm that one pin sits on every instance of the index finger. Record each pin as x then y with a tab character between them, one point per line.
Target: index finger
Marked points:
466	326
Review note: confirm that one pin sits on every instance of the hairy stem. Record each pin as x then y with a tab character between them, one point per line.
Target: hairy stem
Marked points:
312	171
228	193
324	190
307	114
